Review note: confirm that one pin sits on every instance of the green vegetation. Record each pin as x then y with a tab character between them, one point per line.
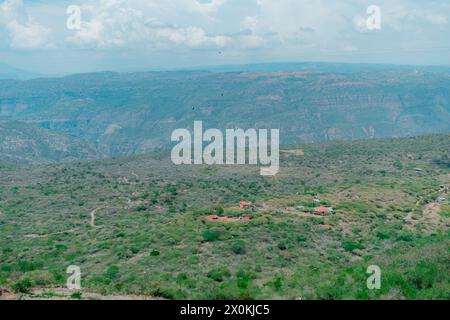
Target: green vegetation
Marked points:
150	236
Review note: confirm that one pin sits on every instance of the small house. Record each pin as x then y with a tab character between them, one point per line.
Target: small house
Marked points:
245	204
445	187
321	210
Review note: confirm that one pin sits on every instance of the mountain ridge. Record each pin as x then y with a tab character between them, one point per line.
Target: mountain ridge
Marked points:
123	114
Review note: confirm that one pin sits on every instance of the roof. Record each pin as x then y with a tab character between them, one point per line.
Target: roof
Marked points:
322	210
245	203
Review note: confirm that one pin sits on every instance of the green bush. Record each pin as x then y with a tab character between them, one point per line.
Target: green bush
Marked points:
22	286
243	279
112	272
238	247
278	283
76	295
283	245
216	275
40	277
382	235
211	235
425	275
154	253
406	236
351	246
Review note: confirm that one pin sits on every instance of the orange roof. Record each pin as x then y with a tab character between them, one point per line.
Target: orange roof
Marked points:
321	210
245	203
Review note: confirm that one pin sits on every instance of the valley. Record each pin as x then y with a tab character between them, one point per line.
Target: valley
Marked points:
126	114
140	227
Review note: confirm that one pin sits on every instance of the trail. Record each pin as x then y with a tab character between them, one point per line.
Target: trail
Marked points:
93	212
409	216
62	293
431	212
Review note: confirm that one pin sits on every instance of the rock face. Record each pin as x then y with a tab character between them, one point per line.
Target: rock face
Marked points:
126	114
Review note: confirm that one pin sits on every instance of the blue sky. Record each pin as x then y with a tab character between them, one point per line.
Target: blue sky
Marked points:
166	34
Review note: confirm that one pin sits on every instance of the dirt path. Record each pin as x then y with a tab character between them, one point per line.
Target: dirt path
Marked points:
93	212
431	212
65	294
409	218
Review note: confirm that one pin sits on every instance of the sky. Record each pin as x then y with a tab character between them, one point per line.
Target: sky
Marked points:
46	36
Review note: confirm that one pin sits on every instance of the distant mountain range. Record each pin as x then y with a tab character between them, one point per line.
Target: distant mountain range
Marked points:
328	67
122	114
8	72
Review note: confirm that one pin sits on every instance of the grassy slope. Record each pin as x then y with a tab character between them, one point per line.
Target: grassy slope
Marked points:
150	236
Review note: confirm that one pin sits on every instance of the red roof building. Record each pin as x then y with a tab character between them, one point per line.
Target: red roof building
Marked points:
244	204
322	210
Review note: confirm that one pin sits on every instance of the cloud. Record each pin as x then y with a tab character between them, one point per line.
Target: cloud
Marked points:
23	32
436	19
207	7
192	32
113	23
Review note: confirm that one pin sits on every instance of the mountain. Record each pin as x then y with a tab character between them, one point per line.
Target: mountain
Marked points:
325	67
25	143
123	114
8	72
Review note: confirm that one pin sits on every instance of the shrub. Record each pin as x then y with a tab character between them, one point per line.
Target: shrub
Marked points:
22	286
351	246
282	245
382	235
243	279
112	272
219	210
278	283
154	253
40	277
238	247
182	277
219	274
406	236
424	275
76	295
211	235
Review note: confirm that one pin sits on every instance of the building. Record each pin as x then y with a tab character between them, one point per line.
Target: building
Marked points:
245	204
321	210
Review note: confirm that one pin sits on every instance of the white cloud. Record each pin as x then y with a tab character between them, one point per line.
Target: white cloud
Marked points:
250	23
204	7
114	23
436	19
194	31
23	31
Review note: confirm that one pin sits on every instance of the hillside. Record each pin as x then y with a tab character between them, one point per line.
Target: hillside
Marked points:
133	113
139	226
27	144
